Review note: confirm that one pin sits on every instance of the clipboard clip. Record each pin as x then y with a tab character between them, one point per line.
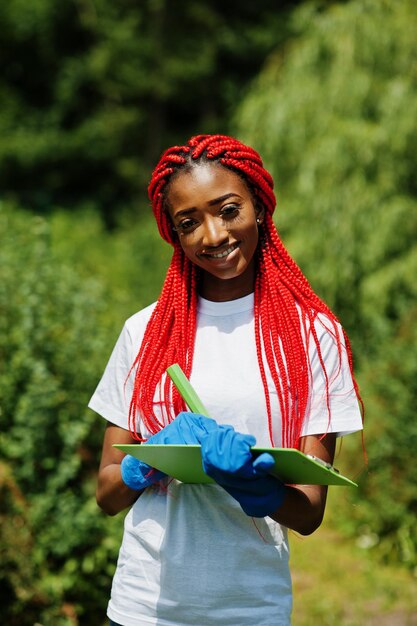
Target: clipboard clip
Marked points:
324	463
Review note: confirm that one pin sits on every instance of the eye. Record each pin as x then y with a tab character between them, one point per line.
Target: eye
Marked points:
186	225
230	211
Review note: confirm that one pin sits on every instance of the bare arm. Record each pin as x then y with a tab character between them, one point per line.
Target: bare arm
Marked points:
304	505
112	494
302	510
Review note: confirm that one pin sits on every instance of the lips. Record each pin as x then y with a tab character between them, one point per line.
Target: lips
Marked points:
220	254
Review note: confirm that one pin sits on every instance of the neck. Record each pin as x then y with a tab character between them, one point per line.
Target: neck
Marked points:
218	290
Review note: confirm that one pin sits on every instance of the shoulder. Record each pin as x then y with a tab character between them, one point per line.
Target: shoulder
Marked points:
137	322
322	328
325	341
135	326
328	329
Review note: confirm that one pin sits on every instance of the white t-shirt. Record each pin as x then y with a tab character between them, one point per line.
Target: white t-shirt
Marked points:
189	555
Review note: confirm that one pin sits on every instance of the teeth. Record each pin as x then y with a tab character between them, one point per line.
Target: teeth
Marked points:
221	255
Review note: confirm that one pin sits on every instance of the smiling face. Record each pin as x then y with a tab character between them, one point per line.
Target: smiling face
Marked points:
215	217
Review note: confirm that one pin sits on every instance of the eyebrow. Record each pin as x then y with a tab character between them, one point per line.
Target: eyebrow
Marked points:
225	197
211	203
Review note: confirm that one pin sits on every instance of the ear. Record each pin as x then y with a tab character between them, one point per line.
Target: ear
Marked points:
260	213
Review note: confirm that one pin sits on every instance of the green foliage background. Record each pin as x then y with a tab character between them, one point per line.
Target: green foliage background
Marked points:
342	100
90	94
92	91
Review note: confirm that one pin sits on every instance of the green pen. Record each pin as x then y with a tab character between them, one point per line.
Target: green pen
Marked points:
186	390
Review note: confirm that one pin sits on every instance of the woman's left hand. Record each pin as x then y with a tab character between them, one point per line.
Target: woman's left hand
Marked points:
227	459
186	428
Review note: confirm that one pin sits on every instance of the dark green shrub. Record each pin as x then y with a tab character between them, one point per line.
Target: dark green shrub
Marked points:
51	356
334	117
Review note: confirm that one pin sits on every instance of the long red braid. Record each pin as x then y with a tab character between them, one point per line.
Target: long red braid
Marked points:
282	298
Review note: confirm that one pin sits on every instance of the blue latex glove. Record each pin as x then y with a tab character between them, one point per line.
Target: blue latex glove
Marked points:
228	460
137	474
186	428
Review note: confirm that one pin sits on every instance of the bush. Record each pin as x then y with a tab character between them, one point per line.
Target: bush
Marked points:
334	117
51	343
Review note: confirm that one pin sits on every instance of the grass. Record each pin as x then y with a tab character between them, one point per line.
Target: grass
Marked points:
338	583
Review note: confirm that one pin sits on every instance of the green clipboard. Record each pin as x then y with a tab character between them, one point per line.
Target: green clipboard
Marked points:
184	463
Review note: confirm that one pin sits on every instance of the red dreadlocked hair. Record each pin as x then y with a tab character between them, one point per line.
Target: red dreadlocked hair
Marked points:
282	298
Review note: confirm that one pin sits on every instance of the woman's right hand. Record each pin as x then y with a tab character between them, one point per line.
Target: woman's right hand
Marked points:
186	428
113	494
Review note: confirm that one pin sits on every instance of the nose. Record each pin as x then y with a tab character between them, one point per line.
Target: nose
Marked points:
215	233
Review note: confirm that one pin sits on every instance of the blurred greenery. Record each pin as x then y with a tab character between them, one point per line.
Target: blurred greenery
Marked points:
51	345
129	263
90	94
337	582
334	115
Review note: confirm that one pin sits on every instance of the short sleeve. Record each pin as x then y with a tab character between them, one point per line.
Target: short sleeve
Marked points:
111	398
344	416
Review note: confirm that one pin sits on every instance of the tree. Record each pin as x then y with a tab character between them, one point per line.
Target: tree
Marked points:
92	92
51	347
334	117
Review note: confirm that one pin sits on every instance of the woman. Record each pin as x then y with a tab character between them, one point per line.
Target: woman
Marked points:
271	364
